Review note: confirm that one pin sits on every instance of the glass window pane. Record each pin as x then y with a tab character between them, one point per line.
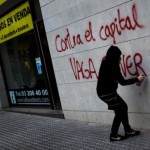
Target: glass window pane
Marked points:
23	68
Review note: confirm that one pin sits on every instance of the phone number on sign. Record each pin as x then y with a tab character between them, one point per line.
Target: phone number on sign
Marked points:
32	93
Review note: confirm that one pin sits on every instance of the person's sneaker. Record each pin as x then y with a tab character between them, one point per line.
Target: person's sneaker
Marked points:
132	133
117	137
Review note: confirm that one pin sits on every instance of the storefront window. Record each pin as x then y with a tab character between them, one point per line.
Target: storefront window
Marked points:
25	57
23	70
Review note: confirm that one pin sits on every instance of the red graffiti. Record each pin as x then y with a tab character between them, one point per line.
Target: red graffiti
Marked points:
70	41
80	72
120	24
89	34
116	27
128	63
67	42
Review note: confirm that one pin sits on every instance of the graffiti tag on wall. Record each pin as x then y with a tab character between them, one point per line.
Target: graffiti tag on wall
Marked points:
81	72
129	65
119	24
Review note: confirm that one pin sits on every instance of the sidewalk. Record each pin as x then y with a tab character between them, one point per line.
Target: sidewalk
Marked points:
30	132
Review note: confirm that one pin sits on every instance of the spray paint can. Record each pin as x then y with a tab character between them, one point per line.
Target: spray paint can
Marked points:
139	82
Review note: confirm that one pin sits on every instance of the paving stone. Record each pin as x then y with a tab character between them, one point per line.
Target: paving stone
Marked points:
30	132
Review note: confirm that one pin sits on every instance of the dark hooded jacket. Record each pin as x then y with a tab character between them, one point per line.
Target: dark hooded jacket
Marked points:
110	74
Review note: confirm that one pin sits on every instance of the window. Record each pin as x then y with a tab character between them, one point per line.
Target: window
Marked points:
21	59
23	70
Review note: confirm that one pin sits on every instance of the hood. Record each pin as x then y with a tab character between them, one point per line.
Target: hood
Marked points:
113	54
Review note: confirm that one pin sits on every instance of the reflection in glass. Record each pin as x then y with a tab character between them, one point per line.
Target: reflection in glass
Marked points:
20	57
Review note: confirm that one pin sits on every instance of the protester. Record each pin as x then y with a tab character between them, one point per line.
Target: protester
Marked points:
109	77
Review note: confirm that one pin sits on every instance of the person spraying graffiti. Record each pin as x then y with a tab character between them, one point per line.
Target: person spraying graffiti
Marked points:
109	77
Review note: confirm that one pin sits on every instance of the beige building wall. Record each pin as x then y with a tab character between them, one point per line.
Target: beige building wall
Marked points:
79	32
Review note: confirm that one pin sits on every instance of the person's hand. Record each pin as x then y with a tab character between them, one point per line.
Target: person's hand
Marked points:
140	78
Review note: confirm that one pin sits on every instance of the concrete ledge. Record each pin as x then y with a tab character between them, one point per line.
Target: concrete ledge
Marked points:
37	111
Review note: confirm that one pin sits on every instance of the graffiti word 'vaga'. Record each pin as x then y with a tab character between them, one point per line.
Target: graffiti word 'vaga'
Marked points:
81	72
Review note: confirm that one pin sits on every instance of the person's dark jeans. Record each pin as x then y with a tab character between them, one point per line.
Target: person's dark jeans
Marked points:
121	116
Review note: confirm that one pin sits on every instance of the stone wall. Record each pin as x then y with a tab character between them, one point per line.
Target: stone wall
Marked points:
79	34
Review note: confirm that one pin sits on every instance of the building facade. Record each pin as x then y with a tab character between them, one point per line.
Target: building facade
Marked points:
78	34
